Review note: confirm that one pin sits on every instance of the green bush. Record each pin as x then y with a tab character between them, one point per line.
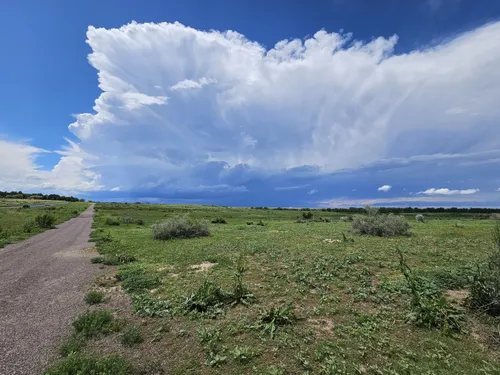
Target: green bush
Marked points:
179	227
132	336
78	364
45	220
420	218
94	323
307	215
484	291
72	345
96	260
261	223
139	221
219	220
127	220
380	225
26	206
112	221
94	297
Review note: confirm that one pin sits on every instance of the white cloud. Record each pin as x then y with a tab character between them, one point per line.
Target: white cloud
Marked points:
313	191
385	188
183	108
117	188
446	191
427	201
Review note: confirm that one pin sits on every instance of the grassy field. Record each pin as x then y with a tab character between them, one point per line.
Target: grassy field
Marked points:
19	223
309	302
9	202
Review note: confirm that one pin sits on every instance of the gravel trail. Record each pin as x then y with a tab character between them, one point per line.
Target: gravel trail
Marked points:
42	284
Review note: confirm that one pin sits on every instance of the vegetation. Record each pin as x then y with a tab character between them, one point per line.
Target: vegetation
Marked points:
180	227
297	299
45	221
94	323
218	220
94	297
380	225
37	196
131	336
17	224
485	287
77	364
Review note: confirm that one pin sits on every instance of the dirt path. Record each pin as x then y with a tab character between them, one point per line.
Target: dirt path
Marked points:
42	283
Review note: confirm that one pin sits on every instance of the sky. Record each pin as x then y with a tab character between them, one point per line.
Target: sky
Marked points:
322	103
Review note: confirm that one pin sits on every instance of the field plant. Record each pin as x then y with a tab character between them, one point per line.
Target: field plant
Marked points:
380	225
420	218
484	291
274	317
45	221
180	227
429	307
218	220
94	297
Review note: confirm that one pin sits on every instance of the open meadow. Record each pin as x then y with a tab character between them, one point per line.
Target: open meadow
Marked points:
32	217
284	292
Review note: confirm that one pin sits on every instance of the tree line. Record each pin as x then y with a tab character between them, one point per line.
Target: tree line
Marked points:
46	197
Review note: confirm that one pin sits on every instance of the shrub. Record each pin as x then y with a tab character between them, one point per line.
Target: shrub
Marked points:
346	218
26	206
219	220
180	227
112	221
371	211
249	222
127	220
139	221
29	226
261	223
307	215
94	323
420	218
94	297
381	225
78	364
429	307
495	216
484	291
96	260
131	336
45	220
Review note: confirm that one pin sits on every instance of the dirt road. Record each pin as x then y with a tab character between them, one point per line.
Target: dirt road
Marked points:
42	284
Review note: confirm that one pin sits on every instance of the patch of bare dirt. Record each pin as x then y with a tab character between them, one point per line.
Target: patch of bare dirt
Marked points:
205	266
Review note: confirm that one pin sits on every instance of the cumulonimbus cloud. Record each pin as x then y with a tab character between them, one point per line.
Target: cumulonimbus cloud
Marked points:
182	108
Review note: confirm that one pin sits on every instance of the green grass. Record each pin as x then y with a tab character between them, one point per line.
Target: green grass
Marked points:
316	306
20	223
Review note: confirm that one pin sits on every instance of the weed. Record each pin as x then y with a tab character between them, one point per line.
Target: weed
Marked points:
179	227
136	280
261	223
147	305
127	220
215	359
420	218
274	317
94	297
117	259
381	225
243	354
132	336
94	323
218	220
429	307
484	291
45	221
346	218
209	299
73	344
139	221
240	293
26	206
29	226
209	336
96	260
78	364
249	222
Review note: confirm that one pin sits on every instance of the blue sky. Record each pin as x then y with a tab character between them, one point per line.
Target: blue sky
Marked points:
277	103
